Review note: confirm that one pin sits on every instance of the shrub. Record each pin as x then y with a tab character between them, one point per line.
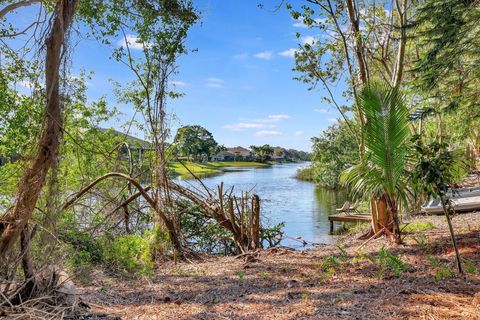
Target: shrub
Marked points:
131	253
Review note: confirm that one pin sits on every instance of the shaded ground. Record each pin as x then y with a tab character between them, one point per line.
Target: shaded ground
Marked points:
331	282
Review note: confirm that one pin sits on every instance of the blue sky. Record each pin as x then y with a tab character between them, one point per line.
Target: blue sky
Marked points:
238	83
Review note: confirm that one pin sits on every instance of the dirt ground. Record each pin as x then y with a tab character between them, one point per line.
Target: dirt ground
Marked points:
328	282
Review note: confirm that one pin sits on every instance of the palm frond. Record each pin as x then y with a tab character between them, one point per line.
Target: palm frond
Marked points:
386	131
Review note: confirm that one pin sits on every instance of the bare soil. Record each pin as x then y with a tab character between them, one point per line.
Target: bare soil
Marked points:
328	282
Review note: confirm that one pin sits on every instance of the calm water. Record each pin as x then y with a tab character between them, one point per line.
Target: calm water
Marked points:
303	206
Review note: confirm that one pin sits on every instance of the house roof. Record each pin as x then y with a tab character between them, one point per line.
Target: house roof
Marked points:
224	153
240	150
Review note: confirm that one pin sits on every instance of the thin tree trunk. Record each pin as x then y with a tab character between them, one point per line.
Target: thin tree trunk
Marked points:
452	235
27	265
35	175
358	43
402	18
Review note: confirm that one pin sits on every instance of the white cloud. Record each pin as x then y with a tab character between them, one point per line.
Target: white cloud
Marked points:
278	117
132	41
179	83
308	40
266	55
266	133
262	123
323	110
214	83
298	133
290	53
332	120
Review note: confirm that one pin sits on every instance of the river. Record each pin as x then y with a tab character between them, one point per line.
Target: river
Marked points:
302	206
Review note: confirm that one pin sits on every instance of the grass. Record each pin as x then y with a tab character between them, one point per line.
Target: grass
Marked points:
226	164
417	226
197	168
209	168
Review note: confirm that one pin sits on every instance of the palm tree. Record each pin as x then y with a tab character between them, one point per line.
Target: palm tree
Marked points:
380	174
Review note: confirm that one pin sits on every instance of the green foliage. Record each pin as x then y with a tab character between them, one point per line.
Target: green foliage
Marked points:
83	249
130	253
264	152
436	167
442	272
206	235
421	239
272	235
418	226
195	142
241	275
159	240
386	132
470	266
329	262
388	261
333	151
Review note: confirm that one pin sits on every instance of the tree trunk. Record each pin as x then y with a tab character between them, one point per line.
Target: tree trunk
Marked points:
357	43
452	235
384	216
33	180
399	62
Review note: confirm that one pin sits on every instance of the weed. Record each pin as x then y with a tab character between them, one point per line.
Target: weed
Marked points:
418	226
343	252
470	266
388	261
241	275
361	256
330	261
421	239
330	272
441	271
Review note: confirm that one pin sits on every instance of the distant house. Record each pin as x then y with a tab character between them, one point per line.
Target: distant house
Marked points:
240	152
224	156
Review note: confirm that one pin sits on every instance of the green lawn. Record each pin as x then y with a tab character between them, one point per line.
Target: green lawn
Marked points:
198	169
226	164
203	169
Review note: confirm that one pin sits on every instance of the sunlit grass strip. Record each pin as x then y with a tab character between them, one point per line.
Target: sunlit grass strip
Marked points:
226	164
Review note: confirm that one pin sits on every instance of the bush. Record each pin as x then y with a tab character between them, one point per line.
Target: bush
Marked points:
131	253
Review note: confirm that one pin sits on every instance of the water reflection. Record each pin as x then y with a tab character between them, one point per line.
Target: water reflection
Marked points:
303	206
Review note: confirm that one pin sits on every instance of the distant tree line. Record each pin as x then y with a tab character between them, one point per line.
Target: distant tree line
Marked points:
195	143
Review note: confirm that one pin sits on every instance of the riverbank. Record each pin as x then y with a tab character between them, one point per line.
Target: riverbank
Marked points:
416	281
210	168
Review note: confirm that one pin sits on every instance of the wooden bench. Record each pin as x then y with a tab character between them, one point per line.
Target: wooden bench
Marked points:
341	217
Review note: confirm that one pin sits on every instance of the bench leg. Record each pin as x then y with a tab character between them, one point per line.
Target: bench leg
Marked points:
331	227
